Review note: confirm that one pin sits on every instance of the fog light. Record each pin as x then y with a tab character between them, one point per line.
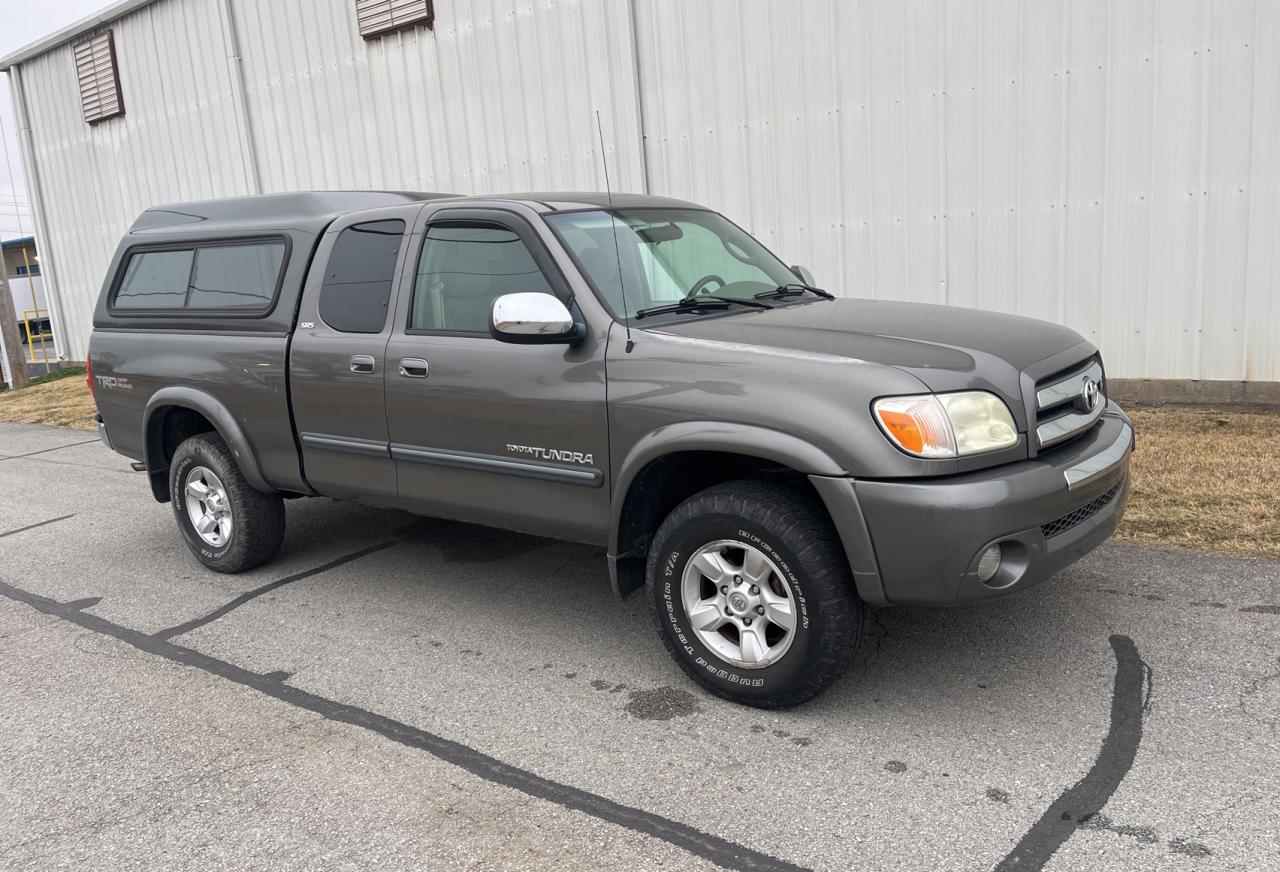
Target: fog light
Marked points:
988	563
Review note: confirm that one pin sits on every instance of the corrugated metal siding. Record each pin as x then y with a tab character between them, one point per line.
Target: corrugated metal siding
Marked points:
501	96
1112	166
176	142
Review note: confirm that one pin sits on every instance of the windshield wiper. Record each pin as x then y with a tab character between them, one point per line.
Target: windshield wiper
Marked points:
794	289
695	304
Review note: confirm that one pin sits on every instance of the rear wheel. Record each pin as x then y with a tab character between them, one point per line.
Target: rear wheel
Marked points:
228	525
752	594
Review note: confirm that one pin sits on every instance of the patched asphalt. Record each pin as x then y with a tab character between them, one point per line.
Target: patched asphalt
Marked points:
425	694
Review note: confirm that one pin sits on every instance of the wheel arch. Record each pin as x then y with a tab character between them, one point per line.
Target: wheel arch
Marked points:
674	462
180	411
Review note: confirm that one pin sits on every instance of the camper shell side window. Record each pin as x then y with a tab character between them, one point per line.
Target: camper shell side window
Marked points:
239	277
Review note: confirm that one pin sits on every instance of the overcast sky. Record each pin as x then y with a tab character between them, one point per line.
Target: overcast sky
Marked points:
23	22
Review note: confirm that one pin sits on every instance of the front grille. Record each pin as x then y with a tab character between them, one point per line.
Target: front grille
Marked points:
1069	402
1078	516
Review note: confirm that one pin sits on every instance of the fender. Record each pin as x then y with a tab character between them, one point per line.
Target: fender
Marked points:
223	421
745	439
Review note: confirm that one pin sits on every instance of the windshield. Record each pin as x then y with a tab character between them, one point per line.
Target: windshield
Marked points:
666	255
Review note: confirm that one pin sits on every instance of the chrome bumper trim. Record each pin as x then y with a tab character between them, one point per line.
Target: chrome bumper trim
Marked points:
1102	462
102	434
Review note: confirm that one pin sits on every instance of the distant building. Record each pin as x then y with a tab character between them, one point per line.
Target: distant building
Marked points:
20	258
1111	167
26	286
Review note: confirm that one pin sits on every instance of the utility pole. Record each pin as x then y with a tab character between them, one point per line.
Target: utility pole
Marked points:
18	375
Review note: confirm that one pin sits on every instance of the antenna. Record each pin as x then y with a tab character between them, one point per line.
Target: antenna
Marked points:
617	251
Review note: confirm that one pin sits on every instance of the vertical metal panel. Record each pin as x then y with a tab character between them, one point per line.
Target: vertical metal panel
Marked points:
1261	318
178	141
1113	166
500	96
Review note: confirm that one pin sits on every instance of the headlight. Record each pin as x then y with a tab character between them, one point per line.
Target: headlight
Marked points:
947	425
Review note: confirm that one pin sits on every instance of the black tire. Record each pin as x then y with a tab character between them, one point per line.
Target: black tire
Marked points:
257	518
793	530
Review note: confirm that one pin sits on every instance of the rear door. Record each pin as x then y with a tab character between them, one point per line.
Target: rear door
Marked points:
508	435
337	360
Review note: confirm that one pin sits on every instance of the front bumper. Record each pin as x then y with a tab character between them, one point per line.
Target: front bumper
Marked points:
918	542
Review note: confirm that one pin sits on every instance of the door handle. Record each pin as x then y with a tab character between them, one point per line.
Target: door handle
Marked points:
362	363
413	367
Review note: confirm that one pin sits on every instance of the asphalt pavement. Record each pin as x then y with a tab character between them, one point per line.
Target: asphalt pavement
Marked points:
395	692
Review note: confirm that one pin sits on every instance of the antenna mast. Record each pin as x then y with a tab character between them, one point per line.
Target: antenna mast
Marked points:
617	251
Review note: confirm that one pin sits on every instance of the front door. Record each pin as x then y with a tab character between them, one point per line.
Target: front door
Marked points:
337	361
486	431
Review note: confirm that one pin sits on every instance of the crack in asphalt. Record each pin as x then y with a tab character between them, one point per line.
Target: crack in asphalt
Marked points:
227	608
714	849
1086	798
37	524
44	450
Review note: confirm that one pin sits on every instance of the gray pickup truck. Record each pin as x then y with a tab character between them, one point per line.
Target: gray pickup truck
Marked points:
637	373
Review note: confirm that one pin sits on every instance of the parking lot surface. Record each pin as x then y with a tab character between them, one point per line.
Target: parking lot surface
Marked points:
409	693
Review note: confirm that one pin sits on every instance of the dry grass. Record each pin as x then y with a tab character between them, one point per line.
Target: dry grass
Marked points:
1206	478
62	403
1202	477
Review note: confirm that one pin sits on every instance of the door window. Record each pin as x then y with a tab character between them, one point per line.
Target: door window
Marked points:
357	280
463	268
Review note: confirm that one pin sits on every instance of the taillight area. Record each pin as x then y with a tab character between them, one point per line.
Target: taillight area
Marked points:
88	377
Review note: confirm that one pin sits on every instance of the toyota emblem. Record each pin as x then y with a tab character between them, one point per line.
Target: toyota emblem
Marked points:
1089	394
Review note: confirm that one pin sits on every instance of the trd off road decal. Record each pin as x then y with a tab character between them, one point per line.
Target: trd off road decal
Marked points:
112	383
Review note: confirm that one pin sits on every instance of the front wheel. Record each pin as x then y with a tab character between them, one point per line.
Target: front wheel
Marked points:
229	526
752	594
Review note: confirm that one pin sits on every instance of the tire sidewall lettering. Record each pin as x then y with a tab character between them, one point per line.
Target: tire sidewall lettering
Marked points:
180	508
793	577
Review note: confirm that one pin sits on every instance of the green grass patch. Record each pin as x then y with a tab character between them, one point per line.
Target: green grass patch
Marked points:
64	372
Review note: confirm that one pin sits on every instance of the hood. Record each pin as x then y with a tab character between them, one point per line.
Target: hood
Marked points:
946	347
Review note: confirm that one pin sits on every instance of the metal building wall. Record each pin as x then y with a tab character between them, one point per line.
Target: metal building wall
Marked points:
501	96
1114	166
1111	165
176	141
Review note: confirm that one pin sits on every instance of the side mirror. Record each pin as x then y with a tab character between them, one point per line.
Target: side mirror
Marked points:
804	275
533	318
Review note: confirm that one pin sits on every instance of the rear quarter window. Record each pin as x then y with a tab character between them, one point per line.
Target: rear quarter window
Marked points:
357	280
241	277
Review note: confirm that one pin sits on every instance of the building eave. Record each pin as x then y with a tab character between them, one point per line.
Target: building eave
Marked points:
116	10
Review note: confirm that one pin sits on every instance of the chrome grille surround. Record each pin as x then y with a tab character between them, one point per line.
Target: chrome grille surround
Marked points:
1062	403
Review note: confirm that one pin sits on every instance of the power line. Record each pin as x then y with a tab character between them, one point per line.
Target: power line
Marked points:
4	141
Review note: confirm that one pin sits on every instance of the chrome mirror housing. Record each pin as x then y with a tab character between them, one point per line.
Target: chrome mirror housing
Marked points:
533	318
